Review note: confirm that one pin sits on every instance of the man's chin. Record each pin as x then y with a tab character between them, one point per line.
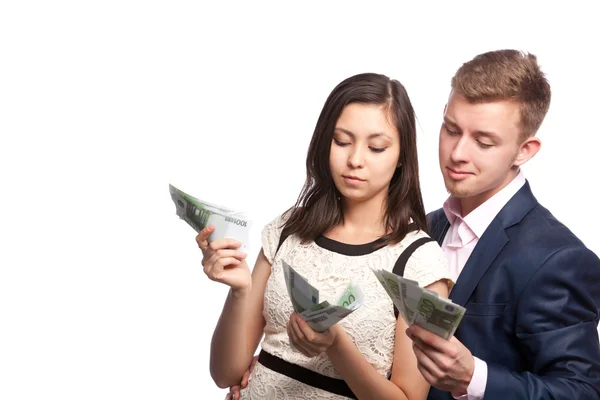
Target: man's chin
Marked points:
457	191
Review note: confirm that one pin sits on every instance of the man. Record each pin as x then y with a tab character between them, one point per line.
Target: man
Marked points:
531	289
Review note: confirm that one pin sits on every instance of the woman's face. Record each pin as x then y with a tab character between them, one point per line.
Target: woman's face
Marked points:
365	150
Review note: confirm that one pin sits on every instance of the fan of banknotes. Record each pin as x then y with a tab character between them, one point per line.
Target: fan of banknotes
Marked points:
305	299
420	306
199	214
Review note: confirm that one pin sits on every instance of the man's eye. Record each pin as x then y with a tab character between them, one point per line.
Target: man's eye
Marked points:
484	145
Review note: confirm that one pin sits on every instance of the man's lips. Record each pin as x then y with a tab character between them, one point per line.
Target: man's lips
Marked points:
456	171
458	174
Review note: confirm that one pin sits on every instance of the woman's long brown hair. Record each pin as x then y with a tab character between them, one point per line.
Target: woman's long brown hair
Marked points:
317	209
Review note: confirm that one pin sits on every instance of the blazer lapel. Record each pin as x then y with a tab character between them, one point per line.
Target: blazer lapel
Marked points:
440	229
486	250
491	243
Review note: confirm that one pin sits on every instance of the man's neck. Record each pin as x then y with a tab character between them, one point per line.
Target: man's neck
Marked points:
470	203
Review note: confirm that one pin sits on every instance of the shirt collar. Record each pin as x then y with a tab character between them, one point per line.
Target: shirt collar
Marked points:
452	209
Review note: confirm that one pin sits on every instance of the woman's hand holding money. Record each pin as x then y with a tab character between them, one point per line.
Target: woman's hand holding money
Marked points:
222	261
307	341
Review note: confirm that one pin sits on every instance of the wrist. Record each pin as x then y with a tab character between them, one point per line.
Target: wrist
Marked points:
240	292
477	382
338	337
463	387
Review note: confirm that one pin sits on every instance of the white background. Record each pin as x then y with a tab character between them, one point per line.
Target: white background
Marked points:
102	104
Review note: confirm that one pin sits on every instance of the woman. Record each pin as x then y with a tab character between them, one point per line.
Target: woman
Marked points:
360	207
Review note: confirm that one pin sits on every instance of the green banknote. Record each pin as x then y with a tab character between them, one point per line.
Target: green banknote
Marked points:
421	306
438	315
199	214
305	300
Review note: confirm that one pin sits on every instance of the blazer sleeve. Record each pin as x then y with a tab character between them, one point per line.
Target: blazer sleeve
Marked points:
556	332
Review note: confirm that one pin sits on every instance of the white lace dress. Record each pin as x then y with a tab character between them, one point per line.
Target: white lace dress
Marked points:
330	266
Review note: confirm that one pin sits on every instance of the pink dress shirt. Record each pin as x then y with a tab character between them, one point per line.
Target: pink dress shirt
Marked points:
461	239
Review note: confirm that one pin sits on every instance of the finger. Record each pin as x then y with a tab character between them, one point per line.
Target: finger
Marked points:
426	363
299	347
235	392
296	328
427	375
253	364
221	248
248	372
245	378
416	332
306	330
202	237
423	346
228	397
442	360
225	243
317	339
295	341
224	253
306	337
215	271
434	355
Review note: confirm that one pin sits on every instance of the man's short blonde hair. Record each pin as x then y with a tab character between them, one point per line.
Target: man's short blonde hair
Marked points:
507	75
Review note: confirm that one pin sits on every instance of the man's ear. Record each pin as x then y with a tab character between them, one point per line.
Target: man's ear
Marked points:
528	149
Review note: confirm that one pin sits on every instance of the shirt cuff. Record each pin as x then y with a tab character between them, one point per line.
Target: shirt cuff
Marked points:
476	387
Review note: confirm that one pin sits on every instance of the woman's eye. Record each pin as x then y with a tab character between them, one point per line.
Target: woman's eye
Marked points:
339	143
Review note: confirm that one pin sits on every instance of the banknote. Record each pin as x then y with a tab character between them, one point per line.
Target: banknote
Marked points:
303	295
398	293
438	315
352	297
326	317
305	300
421	306
199	214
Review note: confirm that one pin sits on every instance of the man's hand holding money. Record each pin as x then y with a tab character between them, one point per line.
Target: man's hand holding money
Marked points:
445	363
222	261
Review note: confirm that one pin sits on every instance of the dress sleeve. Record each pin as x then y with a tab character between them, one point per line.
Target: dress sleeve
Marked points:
270	237
428	264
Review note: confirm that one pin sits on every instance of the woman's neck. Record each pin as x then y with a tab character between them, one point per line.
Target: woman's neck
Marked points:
363	222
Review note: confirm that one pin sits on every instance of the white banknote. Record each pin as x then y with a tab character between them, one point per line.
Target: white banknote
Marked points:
199	214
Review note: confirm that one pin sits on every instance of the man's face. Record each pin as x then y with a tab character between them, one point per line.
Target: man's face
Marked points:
479	148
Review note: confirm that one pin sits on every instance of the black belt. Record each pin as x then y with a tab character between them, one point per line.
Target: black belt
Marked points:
304	375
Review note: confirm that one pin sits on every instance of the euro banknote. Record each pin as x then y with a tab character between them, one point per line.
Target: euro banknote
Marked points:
199	214
421	306
319	315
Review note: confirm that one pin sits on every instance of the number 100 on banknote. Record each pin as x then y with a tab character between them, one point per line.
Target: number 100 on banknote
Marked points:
200	214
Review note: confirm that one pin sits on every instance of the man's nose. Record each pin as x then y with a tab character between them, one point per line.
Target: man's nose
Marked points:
460	151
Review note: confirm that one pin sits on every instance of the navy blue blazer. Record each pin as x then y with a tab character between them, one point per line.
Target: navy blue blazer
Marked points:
532	293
